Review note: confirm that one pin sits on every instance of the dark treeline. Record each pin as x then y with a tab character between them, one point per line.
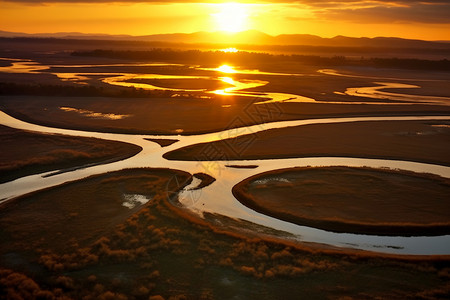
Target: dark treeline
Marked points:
183	56
243	58
77	91
69	41
360	50
357	46
410	63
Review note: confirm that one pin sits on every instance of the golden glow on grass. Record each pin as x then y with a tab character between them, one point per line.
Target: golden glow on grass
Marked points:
226	69
232	17
92	114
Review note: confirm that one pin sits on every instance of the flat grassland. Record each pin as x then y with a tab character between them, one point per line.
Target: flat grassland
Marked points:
25	153
182	116
420	141
96	238
189	83
87	245
357	200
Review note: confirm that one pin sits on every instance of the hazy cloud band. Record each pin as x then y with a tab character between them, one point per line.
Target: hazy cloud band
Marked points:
355	11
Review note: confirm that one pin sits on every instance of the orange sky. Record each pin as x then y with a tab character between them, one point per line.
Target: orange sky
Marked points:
408	19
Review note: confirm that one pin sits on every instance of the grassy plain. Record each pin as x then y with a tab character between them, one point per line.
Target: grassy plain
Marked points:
182	115
87	245
25	153
190	84
158	112
358	200
420	141
79	241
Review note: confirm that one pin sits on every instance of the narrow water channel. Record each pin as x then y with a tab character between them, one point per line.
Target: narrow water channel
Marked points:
218	198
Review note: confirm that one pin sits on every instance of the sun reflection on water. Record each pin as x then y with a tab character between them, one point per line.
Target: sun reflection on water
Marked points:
226	69
228	80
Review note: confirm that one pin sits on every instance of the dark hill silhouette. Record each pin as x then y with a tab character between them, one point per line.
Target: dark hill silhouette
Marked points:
252	37
244	37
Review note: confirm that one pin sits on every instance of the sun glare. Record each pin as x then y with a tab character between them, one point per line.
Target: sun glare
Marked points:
230	50
228	80
226	69
232	17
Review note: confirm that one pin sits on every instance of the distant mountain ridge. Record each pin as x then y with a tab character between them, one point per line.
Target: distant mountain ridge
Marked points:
246	37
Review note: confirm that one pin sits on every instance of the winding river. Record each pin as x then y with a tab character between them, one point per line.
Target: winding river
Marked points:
238	87
218	197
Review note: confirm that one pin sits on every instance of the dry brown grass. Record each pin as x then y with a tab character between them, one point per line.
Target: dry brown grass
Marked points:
150	116
78	213
403	140
358	200
24	153
163	250
187	83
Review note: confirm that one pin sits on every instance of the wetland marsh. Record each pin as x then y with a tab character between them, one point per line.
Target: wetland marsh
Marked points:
194	136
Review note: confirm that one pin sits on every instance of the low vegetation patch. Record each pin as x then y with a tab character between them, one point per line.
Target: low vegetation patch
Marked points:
356	200
25	153
420	141
77	241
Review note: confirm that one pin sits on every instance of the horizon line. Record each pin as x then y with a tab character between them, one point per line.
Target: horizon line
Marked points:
69	33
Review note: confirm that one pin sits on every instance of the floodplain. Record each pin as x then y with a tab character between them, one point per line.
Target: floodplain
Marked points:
179	174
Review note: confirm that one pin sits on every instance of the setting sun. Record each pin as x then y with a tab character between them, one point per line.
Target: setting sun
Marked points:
232	17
